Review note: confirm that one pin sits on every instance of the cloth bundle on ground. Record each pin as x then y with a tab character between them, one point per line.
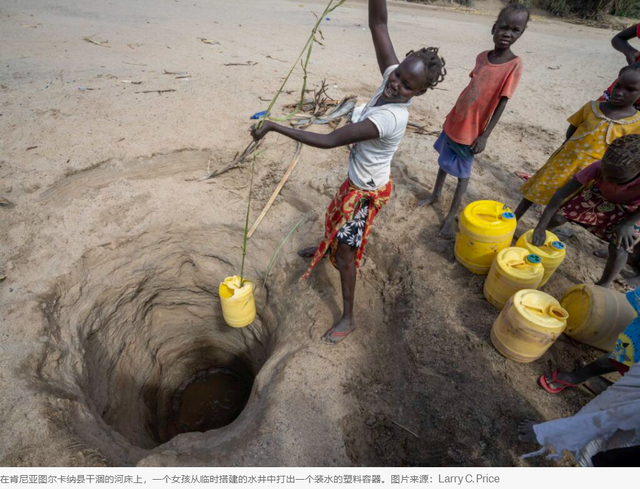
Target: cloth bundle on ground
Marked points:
610	421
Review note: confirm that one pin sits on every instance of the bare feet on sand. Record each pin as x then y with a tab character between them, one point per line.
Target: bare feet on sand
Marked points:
340	331
448	229
526	433
307	252
429	200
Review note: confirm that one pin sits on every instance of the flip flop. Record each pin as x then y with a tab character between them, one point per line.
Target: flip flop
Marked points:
523	175
554	380
339	335
564	233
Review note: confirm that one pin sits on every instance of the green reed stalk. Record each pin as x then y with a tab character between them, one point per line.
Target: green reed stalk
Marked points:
275	254
246	222
307	48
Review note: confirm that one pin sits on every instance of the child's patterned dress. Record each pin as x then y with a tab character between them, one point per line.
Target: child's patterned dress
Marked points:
587	145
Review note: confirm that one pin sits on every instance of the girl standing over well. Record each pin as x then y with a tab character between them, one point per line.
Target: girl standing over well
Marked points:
374	135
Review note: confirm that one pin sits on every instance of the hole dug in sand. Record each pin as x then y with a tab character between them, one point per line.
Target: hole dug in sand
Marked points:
138	350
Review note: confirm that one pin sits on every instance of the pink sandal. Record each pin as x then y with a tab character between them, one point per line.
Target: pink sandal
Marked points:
554	380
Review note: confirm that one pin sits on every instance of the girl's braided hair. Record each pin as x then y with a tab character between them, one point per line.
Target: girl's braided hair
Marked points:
434	69
624	152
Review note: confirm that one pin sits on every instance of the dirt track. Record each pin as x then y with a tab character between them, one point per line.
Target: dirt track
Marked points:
113	254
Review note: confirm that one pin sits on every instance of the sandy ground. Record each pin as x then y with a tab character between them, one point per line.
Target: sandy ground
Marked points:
106	219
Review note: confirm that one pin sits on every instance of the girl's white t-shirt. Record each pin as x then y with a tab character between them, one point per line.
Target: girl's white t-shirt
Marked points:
370	161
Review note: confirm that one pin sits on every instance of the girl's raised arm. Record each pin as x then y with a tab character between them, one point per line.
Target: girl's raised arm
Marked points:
385	53
621	43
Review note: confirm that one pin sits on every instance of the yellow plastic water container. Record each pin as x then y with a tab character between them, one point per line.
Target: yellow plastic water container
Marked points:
528	325
597	315
238	302
486	228
513	269
552	252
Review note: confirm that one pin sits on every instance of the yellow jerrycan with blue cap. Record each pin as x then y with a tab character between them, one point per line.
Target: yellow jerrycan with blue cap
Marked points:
552	252
528	325
238	302
486	228
513	269
597	315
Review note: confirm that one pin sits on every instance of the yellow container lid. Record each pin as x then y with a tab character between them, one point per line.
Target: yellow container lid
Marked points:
552	248
488	217
520	263
540	309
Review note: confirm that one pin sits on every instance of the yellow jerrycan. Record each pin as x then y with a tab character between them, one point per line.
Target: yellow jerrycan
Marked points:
513	269
486	227
238	302
528	325
552	252
597	315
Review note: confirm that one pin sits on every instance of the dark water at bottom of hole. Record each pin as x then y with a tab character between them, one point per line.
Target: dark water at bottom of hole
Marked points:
210	399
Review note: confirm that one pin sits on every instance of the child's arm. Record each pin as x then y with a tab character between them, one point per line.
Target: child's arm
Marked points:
621	43
625	236
540	232
385	53
570	132
480	144
352	133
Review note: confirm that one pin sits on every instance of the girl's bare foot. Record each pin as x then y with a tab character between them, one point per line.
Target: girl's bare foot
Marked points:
601	253
448	229
564	233
340	331
429	200
526	433
307	252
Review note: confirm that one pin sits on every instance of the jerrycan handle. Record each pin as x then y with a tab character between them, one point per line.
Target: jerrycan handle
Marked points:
556	312
497	216
530	260
554	245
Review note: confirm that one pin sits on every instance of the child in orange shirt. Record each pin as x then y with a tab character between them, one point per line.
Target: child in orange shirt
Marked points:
478	109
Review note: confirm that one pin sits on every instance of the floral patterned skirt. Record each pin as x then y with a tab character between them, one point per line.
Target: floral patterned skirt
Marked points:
595	213
350	214
352	232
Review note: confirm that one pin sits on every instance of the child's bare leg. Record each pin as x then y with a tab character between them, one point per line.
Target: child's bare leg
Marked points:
556	220
448	229
523	207
615	263
437	189
346	258
599	367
